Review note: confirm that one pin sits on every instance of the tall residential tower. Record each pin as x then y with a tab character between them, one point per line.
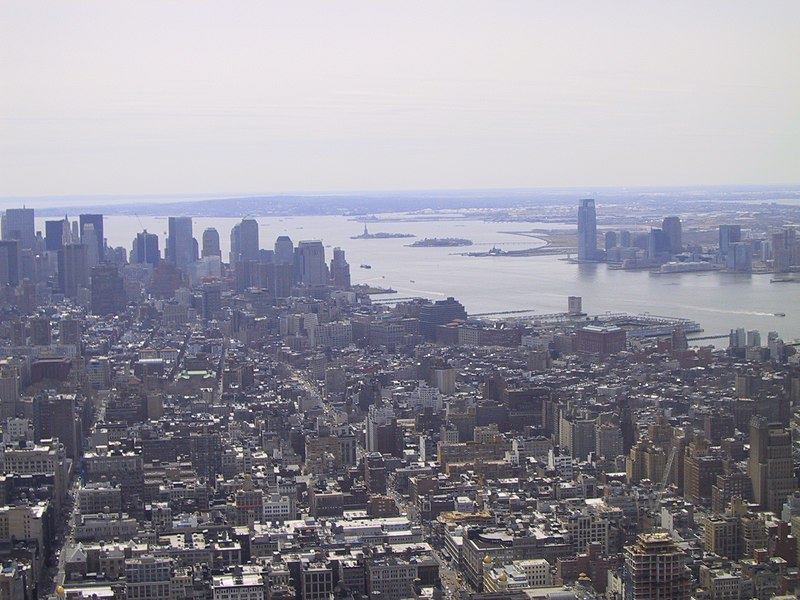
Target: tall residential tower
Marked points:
587	230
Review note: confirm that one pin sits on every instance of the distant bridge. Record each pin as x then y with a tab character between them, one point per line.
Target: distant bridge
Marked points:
708	337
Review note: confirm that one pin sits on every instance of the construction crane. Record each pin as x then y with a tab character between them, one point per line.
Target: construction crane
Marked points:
667	468
656	493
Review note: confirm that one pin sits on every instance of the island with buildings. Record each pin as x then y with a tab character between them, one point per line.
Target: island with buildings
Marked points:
440	243
381	235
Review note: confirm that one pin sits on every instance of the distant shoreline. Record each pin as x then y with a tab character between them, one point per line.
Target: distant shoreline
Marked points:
365	203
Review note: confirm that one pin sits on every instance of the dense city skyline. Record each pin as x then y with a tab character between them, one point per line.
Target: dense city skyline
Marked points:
257	426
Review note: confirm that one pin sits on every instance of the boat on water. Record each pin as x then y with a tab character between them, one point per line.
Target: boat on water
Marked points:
780	314
365	266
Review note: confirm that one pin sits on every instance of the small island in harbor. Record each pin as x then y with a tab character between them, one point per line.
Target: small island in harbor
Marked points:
381	235
440	242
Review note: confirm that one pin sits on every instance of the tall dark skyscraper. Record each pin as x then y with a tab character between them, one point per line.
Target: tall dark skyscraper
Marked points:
212	300
55	416
145	249
211	243
73	269
311	263
587	230
95	220
672	227
18	224
180	244
658	243
41	331
54	234
9	263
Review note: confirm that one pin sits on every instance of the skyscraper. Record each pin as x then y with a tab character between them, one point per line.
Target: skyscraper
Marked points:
212	300
18	224
248	239
656	568
284	250
54	233
95	220
235	254
740	257
728	234
9	263
244	241
89	239
211	243
180	244
145	249
55	417
9	387
340	270
73	269
658	243
672	227
311	263
283	279
785	249
587	230
41	331
770	465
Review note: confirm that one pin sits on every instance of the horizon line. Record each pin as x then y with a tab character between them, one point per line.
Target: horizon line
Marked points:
382	191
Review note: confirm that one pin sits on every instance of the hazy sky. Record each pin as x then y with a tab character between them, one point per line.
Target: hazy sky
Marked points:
170	96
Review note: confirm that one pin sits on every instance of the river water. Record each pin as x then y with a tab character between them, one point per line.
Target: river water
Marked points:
718	301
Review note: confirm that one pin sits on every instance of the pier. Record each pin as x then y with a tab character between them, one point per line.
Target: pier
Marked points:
503	312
